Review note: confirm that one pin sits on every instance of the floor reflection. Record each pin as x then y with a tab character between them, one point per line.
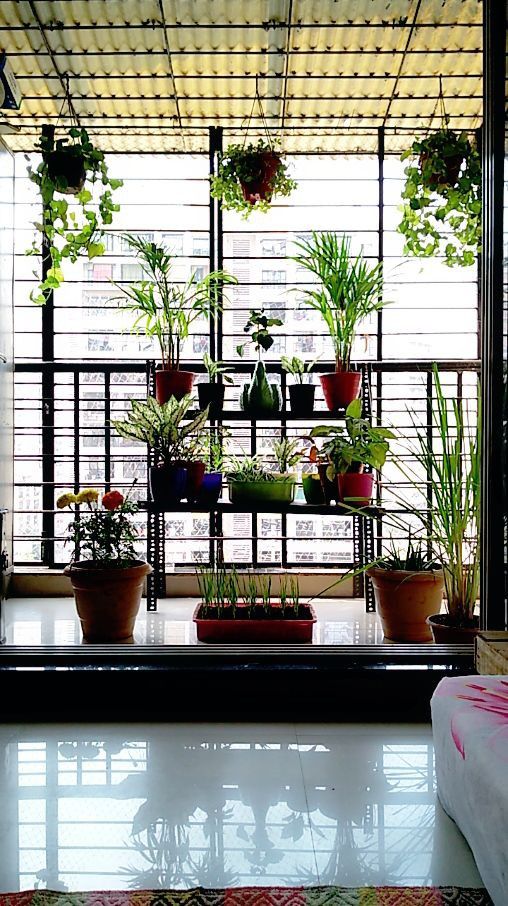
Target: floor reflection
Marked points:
178	806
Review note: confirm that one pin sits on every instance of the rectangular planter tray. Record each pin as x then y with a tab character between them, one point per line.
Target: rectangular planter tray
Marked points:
255	630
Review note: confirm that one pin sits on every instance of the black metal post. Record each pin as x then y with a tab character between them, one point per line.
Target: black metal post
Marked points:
494	593
48	401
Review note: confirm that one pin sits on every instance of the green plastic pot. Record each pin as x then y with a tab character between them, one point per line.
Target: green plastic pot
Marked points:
258	492
313	489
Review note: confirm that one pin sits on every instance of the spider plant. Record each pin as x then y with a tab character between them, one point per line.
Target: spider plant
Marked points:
287	453
348	291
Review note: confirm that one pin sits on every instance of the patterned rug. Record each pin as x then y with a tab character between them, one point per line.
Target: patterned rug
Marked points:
258	896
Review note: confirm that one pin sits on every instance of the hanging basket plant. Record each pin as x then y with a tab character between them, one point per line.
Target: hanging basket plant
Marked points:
70	166
249	177
442	198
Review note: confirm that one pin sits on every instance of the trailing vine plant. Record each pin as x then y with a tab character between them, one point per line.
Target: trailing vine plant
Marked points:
70	166
441	214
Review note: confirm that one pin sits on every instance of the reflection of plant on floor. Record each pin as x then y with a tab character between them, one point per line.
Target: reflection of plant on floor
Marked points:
164	846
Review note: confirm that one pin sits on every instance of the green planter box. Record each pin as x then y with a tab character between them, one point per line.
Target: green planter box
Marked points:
255	492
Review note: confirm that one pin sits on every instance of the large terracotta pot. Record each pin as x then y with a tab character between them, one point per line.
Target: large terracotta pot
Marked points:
444	632
107	600
355	488
405	600
340	388
170	383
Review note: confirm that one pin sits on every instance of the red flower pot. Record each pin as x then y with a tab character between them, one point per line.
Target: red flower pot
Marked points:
261	188
340	388
355	488
195	473
256	627
170	383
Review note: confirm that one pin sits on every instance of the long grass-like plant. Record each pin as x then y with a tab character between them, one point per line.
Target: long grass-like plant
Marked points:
349	288
451	463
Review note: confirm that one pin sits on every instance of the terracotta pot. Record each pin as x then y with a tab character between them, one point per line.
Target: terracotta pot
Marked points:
63	165
107	600
261	187
211	395
175	383
447	633
450	176
405	600
355	488
301	398
340	388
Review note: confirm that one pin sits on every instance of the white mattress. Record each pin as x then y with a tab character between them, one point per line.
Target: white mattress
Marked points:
470	727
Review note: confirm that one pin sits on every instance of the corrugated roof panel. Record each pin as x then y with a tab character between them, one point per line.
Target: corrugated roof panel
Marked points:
348	64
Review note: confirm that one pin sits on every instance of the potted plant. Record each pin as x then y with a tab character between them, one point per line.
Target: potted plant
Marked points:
211	394
348	291
452	468
301	396
167	309
106	574
70	166
408	589
211	485
441	214
249	176
232	610
351	447
252	484
163	427
260	397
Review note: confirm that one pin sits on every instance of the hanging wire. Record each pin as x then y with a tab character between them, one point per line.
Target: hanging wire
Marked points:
257	100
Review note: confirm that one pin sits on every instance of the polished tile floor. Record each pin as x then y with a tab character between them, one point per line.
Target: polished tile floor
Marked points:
53	621
119	806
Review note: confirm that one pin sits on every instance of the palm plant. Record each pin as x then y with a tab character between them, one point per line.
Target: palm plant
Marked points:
348	291
164	308
162	427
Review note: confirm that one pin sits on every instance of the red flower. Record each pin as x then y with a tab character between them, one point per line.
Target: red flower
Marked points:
112	500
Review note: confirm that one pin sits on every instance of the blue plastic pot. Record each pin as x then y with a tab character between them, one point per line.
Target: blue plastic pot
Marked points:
168	484
210	489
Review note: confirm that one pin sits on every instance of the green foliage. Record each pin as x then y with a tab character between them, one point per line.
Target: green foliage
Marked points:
252	468
105	536
213	447
441	214
297	367
348	290
287	453
258	326
246	164
70	234
164	308
453	466
214	369
355	442
414	559
221	589
162	427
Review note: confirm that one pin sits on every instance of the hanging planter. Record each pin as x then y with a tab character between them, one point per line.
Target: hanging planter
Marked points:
70	166
250	176
441	214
